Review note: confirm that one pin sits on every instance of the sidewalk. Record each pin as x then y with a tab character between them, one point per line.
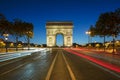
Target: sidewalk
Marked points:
11	50
101	51
106	52
16	54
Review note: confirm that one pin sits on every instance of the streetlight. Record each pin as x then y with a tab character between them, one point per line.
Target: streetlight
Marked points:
22	45
113	44
6	38
88	33
28	38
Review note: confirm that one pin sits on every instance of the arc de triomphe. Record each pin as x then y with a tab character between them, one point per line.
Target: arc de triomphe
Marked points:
55	28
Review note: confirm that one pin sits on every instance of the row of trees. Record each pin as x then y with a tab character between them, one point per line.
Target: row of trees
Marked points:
17	29
108	24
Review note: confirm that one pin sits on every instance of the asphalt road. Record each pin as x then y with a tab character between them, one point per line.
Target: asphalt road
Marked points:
53	65
32	67
86	70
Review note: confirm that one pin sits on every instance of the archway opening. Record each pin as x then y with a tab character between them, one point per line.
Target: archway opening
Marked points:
59	40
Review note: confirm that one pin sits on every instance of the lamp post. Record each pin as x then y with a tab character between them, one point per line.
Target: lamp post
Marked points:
88	33
113	44
28	39
6	38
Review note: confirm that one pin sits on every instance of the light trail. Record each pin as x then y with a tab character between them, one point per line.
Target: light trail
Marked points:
14	55
97	61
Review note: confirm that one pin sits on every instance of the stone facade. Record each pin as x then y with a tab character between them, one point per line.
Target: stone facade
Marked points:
54	28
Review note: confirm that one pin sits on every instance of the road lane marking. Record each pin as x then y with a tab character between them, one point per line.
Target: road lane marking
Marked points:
12	69
17	66
37	58
51	68
97	61
99	66
9	62
113	73
69	69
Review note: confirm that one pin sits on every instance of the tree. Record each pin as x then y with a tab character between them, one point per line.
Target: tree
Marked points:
92	30
28	32
108	24
5	28
117	13
102	26
17	30
2	18
5	25
115	25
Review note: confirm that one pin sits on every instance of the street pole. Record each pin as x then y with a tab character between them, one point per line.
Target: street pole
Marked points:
6	45
28	43
88	39
88	33
113	44
6	38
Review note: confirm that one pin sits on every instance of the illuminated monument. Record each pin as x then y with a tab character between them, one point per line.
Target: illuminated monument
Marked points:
55	28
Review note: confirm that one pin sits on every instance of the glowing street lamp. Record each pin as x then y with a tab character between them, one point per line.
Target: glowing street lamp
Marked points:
6	39
88	33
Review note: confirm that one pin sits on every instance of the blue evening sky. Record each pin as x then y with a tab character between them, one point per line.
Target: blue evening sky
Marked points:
83	13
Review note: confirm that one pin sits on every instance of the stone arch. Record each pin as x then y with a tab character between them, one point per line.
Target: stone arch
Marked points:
54	28
56	38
